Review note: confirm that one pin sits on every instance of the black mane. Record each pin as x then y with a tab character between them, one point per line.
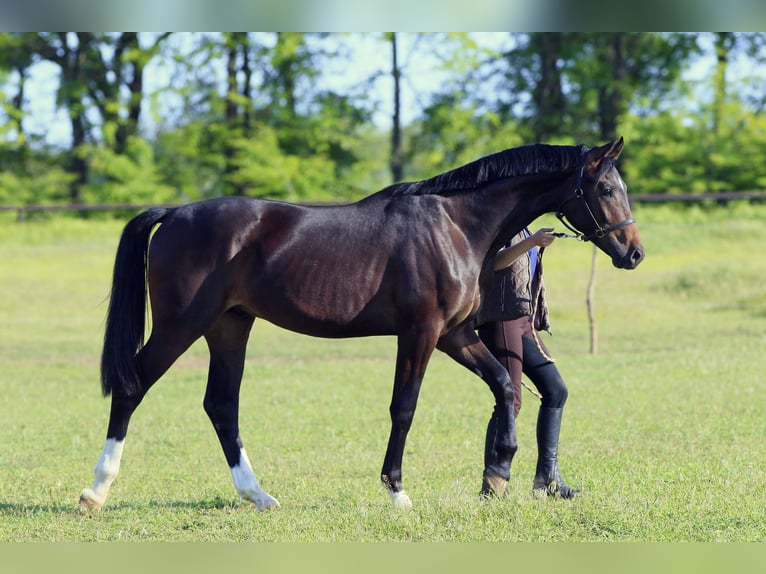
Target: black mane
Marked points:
514	162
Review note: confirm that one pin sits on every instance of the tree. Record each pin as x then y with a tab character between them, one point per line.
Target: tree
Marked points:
15	59
250	113
71	55
576	87
97	70
723	167
265	128
317	126
108	78
453	126
238	105
548	91
396	119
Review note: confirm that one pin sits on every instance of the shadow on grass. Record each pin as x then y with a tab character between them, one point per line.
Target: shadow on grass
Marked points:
10	509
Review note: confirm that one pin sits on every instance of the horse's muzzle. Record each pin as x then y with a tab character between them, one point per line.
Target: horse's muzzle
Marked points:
631	259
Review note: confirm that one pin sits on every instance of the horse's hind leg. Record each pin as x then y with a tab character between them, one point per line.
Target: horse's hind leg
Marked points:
227	341
153	359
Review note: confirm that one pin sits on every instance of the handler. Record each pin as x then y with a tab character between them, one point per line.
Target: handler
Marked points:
513	313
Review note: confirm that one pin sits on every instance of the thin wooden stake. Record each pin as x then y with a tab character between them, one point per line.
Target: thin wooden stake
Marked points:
590	300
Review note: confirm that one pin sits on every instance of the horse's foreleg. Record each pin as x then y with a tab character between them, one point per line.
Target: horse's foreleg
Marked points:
501	444
227	341
414	352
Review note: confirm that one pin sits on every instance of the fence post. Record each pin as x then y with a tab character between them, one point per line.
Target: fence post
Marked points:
590	301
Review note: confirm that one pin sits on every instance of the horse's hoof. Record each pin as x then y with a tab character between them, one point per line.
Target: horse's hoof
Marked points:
88	505
400	500
266	503
493	486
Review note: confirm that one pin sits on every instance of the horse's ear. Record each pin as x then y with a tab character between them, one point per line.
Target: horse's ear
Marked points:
612	150
615	148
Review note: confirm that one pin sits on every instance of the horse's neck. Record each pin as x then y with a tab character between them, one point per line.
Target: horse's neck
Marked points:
497	212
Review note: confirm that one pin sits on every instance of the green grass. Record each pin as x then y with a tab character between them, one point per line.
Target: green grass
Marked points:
664	428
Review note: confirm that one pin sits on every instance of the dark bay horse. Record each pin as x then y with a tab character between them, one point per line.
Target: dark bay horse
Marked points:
411	261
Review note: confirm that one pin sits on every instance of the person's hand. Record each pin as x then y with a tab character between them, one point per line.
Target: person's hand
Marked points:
543	237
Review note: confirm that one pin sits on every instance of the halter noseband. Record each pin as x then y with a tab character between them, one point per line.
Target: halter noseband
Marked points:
600	231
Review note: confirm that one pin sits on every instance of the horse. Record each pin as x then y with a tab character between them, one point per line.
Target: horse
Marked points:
411	261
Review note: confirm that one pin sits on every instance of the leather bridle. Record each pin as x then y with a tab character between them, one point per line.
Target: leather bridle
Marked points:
600	230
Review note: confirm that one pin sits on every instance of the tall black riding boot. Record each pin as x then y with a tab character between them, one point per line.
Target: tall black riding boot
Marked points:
547	477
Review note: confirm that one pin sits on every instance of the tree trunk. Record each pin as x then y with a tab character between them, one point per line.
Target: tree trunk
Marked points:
22	157
135	84
245	93
547	93
74	89
612	102
396	130
286	71
724	42
723	45
129	73
236	43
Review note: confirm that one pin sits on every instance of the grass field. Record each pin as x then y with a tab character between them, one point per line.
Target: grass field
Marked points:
664	428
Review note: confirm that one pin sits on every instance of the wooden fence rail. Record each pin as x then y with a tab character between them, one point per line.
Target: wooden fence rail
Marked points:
720	197
22	210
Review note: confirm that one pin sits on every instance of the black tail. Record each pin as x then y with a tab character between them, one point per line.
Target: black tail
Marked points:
124	335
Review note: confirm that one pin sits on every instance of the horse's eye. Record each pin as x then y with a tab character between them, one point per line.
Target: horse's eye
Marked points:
607	191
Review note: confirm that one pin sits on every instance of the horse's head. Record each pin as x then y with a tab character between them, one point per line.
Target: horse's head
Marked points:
598	207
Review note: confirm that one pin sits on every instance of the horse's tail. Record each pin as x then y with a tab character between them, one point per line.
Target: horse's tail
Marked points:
124	334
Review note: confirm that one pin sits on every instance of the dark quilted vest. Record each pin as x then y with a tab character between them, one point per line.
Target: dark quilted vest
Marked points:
513	295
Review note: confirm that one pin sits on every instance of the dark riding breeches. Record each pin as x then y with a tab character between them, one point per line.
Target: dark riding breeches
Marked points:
519	350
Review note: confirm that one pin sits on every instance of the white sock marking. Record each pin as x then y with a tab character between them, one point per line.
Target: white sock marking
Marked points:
247	484
106	470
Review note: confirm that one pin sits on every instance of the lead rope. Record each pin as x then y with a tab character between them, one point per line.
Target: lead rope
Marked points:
562	235
531	390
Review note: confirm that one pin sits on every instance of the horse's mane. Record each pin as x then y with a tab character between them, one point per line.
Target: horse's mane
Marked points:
514	162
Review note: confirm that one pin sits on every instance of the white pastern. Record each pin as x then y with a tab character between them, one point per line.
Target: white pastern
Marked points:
401	500
247	485
105	472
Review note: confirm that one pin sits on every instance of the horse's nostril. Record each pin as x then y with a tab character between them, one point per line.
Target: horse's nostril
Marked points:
637	256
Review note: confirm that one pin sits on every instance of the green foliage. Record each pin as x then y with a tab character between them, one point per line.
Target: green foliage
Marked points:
263	170
30	177
677	152
255	113
130	177
452	134
182	164
663	154
47	187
